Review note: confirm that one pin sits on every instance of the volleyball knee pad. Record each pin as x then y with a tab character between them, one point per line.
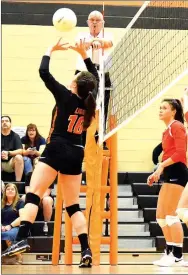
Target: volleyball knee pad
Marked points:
72	209
170	220
183	214
32	198
161	222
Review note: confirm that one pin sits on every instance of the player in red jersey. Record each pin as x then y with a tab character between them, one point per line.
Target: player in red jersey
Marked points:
174	169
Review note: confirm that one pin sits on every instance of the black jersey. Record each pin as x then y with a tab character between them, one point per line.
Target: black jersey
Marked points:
68	115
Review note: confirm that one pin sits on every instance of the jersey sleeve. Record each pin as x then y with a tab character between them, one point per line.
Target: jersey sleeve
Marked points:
91	68
180	139
58	90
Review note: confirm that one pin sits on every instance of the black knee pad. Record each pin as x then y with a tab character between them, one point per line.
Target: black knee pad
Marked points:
73	209
32	198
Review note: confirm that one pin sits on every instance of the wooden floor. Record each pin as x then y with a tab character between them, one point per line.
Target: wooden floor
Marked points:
103	269
127	265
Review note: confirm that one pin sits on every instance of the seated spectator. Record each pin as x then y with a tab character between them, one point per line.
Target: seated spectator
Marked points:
10	213
11	149
32	144
46	204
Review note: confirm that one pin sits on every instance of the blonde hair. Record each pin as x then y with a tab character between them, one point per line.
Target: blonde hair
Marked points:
4	198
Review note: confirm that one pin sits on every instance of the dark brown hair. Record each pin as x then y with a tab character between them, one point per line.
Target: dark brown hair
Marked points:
27	139
86	87
7	117
176	105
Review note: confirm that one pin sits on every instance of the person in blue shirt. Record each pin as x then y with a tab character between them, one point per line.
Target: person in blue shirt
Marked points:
10	212
33	143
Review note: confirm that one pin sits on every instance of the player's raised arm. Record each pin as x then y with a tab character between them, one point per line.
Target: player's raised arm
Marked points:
50	82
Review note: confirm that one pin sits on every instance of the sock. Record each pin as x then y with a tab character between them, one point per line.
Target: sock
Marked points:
24	230
177	251
83	241
169	248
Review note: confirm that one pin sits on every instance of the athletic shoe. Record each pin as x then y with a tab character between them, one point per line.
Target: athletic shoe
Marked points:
16	248
180	262
165	260
170	260
86	258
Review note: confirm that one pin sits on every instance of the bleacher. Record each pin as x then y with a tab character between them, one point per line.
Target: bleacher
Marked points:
147	201
138	231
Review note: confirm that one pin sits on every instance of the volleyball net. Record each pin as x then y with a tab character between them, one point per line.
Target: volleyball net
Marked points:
150	58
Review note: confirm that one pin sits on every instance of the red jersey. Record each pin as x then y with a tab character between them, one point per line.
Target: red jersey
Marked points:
174	142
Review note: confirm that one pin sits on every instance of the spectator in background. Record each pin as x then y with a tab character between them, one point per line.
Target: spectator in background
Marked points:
10	221
11	149
10	212
46	204
33	144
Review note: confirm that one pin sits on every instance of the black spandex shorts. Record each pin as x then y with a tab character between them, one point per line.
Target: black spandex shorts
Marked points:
64	157
176	174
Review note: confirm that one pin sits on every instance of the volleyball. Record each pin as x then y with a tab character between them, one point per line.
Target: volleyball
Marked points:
64	20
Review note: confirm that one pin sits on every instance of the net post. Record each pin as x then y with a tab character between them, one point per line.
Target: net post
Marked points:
104	181
57	225
93	165
113	196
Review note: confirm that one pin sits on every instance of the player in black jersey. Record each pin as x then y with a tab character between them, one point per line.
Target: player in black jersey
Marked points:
64	153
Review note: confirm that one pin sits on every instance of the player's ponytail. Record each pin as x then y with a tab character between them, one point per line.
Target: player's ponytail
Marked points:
90	104
86	88
179	111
